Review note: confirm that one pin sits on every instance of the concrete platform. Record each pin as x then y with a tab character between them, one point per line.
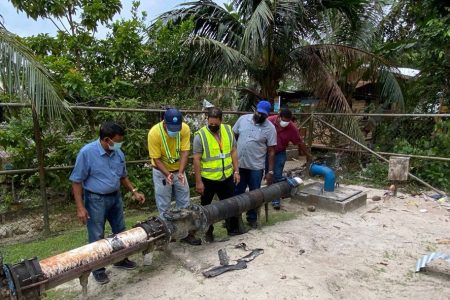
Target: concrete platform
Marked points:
342	200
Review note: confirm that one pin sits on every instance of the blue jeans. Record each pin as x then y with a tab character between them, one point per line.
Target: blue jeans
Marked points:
252	180
280	160
164	192
101	208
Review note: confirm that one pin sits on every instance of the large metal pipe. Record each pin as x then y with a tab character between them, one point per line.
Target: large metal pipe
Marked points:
29	278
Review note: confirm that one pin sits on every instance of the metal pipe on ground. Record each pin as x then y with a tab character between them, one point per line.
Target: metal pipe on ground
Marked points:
29	278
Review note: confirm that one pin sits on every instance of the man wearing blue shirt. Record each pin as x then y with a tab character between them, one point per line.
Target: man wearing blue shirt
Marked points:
98	173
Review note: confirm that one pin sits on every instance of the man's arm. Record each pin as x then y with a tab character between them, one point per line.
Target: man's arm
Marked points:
82	213
302	149
271	154
125	181
234	160
199	186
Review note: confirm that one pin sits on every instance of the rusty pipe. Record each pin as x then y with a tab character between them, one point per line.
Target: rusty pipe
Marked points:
28	279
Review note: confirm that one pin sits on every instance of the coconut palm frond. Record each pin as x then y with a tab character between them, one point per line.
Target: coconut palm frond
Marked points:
324	87
391	91
257	27
217	59
22	75
354	64
360	33
210	20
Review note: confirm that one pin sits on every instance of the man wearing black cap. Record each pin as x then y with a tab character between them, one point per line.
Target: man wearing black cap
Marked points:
168	146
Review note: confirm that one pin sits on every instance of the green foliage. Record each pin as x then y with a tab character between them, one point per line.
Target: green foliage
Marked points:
376	172
418	35
435	172
17	139
88	13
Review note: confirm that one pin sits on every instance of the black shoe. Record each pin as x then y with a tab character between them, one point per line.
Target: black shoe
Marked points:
101	278
253	224
191	240
233	232
125	264
277	206
209	237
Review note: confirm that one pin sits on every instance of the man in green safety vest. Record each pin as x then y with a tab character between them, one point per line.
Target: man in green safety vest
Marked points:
216	166
168	147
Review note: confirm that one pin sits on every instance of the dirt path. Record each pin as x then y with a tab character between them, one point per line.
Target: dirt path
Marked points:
366	254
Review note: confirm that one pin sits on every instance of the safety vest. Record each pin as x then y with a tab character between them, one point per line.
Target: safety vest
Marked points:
170	159
216	160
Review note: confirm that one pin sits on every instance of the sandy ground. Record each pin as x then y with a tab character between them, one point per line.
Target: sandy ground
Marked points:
369	253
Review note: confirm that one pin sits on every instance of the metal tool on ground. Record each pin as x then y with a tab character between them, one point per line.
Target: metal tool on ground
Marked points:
30	278
223	257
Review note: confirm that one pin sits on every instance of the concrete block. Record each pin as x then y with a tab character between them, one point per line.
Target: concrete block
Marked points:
342	200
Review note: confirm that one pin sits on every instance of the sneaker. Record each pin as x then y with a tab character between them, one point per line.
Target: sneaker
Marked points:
209	237
191	240
253	224
125	264
234	232
276	204
101	277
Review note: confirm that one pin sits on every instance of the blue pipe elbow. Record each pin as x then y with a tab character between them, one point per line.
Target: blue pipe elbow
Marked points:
327	173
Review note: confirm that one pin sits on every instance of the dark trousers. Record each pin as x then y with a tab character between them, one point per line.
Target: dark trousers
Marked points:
252	180
224	190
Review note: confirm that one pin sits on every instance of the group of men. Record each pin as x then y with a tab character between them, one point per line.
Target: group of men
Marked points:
227	160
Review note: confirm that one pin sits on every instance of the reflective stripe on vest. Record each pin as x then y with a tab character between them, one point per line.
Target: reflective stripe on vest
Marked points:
216	163
170	159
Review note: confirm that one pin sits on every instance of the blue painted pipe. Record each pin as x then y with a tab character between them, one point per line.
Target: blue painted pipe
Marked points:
327	173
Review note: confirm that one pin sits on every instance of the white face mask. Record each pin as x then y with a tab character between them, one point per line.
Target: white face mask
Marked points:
283	123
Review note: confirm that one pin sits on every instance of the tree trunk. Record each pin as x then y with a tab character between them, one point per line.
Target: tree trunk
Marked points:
41	163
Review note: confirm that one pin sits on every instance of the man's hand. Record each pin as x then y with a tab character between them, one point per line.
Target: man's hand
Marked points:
200	187
236	178
169	179
139	197
269	178
181	178
82	215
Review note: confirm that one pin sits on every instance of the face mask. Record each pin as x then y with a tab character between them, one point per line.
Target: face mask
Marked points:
259	119
284	123
214	128
172	134
115	146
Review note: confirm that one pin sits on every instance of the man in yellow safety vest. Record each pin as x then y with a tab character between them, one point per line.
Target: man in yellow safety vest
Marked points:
216	166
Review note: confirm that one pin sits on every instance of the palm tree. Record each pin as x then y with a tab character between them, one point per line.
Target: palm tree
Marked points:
263	42
24	78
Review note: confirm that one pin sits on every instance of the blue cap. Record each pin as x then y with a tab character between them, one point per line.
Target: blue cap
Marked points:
263	107
173	119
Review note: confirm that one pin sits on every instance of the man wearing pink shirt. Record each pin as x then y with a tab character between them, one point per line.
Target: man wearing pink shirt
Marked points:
287	132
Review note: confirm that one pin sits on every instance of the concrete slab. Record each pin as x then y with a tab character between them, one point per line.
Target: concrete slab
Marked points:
342	200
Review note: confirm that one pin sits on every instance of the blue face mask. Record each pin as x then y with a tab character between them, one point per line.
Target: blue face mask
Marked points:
115	146
172	134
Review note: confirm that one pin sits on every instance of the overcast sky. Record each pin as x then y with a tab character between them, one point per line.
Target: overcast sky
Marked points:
19	24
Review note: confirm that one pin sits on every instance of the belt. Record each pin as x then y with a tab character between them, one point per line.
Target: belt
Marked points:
108	194
173	172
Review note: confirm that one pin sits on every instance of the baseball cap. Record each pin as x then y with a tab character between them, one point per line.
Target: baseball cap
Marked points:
263	107
173	119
